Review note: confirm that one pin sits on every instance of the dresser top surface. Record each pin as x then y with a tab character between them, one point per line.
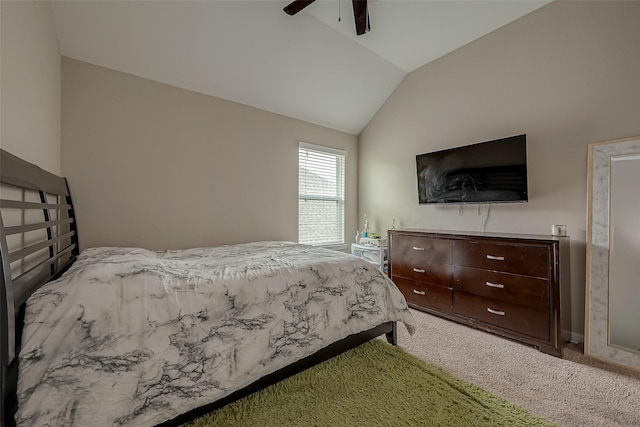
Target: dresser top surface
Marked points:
462	234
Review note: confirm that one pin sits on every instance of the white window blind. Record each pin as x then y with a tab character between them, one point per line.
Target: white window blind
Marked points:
320	195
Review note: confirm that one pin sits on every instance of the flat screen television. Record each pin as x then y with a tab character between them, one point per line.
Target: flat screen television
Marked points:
487	172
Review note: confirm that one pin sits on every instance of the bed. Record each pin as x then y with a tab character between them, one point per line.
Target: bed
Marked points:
129	336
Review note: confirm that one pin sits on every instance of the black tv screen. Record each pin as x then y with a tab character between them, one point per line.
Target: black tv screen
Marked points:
487	172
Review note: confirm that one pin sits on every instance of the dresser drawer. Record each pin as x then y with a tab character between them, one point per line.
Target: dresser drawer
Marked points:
529	260
434	273
421	248
524	320
526	291
425	295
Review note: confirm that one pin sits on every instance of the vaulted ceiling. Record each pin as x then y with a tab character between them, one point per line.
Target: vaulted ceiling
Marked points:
310	66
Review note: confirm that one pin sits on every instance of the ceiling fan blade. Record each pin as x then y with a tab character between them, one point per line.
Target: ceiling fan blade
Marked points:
296	6
361	16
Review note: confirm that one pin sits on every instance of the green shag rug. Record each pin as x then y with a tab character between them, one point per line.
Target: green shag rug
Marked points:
375	384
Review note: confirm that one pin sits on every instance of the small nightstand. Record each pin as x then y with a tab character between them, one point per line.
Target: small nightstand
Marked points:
377	256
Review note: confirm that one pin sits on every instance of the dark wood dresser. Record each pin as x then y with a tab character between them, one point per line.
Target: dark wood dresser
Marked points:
507	284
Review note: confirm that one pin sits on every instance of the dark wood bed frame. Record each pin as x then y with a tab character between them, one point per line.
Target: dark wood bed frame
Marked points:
44	243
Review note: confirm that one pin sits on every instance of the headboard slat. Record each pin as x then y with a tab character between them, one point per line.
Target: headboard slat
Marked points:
18	204
16	255
38	226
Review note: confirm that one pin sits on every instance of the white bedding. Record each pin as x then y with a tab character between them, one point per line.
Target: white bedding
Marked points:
131	336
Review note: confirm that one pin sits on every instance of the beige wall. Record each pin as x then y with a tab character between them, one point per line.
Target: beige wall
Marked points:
30	83
566	75
156	166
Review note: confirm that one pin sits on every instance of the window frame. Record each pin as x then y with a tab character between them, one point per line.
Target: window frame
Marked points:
339	198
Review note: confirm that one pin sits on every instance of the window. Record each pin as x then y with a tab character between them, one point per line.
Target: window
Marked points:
320	195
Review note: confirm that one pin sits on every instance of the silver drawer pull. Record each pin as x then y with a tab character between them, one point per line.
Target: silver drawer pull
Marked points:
499	313
419	292
495	258
495	285
416	248
419	270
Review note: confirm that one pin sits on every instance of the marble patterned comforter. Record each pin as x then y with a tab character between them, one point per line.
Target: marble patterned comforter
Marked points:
129	336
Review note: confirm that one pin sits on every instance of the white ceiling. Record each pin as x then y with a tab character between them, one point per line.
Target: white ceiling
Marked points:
308	66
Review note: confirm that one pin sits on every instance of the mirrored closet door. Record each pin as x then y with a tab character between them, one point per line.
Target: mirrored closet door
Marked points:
613	253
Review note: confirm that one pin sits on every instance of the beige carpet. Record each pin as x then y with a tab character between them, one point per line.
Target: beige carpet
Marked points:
575	352
568	393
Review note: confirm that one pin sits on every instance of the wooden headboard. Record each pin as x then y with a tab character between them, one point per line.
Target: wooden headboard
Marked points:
38	242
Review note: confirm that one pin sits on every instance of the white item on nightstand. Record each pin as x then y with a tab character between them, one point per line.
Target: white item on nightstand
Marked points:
367	241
